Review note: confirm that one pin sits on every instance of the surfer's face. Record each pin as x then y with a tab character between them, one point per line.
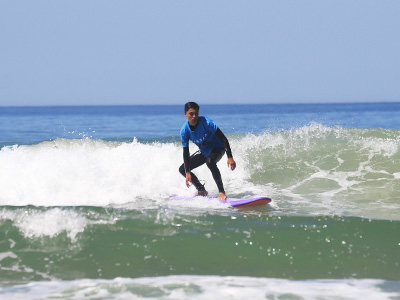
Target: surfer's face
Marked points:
193	116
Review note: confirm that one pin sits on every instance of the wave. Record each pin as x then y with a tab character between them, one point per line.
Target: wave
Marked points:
206	287
311	170
75	243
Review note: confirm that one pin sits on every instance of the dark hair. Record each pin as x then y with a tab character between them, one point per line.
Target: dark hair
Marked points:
190	105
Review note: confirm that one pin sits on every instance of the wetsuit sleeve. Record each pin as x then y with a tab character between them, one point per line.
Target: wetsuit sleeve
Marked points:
224	141
186	159
184	139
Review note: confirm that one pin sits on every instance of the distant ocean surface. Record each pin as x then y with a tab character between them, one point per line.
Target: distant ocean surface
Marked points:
86	213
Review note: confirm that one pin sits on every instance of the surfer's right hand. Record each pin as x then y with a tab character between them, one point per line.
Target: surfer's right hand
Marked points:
188	179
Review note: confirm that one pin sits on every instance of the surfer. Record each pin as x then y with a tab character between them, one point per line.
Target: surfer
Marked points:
212	144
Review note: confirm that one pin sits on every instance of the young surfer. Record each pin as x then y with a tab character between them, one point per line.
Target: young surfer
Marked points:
212	144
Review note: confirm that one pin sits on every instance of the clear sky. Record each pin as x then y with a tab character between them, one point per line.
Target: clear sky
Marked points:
101	52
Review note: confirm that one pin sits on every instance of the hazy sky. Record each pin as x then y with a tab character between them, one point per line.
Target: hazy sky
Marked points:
95	52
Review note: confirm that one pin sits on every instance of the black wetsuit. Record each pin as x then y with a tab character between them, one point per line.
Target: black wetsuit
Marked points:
198	159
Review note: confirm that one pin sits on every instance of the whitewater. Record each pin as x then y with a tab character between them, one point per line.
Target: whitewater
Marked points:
311	170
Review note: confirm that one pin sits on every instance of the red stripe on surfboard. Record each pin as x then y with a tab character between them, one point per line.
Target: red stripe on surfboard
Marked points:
254	203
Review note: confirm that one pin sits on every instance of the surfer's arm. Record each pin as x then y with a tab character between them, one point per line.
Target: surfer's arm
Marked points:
186	159
222	137
186	162
225	142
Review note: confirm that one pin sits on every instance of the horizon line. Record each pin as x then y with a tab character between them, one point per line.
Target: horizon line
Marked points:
211	104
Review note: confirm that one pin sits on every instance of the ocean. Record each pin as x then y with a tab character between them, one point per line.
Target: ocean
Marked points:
86	210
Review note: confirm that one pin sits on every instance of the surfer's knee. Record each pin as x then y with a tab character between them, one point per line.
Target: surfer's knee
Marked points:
211	163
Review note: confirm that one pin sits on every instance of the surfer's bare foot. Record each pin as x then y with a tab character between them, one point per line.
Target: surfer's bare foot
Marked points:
202	193
221	196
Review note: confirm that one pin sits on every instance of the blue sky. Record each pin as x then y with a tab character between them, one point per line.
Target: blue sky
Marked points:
97	52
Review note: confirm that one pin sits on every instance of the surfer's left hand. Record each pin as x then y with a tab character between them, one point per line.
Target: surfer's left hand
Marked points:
231	163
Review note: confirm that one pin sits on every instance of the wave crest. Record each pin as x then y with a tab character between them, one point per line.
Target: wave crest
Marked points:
334	168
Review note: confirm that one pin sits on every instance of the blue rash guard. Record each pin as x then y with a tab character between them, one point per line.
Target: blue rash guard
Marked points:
203	135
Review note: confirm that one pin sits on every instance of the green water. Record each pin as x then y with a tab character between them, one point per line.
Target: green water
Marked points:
246	243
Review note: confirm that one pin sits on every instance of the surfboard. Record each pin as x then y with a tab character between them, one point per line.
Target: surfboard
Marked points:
234	202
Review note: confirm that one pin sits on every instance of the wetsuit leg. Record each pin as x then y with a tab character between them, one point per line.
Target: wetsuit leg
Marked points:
211	162
196	160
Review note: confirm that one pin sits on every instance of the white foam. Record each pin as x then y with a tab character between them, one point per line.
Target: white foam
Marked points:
97	173
49	223
84	172
310	170
4	255
205	287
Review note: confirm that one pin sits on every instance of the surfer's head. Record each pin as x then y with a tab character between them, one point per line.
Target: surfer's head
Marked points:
192	113
190	105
